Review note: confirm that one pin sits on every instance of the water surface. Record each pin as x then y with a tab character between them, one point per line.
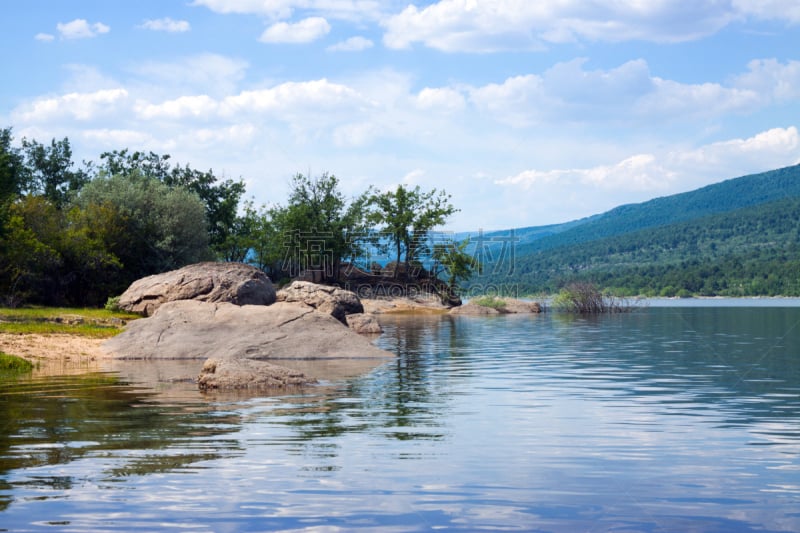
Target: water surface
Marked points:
667	419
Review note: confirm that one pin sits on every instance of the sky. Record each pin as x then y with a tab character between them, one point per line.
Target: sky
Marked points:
528	112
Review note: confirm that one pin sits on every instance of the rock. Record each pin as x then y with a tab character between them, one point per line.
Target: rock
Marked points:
233	374
418	304
520	306
474	310
236	283
324	298
504	306
251	346
364	323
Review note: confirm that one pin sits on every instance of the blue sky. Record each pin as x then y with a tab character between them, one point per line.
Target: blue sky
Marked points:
527	112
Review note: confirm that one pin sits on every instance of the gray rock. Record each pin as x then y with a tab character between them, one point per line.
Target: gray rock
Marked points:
324	298
236	283
247	346
364	323
474	310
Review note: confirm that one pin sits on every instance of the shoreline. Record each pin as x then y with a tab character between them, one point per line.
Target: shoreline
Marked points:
55	354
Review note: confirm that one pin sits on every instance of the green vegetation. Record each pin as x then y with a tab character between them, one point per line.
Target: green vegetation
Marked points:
587	299
77	236
489	301
745	242
406	216
93	323
11	364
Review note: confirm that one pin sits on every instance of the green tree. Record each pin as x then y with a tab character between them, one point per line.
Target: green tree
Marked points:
406	216
220	197
319	226
164	228
451	259
12	167
50	170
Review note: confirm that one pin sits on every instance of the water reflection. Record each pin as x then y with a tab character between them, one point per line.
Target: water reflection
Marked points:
122	429
661	420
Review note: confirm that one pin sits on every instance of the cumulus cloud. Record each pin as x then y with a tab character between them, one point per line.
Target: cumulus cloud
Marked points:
78	106
492	25
638	172
771	79
166	24
569	91
679	169
81	29
440	99
353	44
44	37
305	31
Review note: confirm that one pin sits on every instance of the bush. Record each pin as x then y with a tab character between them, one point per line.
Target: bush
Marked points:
586	298
112	304
489	301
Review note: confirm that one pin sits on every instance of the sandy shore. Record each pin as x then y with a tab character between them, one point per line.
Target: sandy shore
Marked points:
55	354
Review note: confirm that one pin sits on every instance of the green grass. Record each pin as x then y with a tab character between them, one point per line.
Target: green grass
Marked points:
11	364
93	323
489	301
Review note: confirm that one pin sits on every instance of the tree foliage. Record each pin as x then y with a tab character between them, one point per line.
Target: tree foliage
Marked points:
319	226
406	216
157	227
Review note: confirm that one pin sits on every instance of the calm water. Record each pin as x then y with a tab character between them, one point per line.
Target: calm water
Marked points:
668	419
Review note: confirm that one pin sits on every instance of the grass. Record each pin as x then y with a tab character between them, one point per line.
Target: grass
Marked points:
11	364
490	301
93	323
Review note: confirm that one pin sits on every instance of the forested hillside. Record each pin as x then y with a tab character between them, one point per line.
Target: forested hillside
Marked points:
740	237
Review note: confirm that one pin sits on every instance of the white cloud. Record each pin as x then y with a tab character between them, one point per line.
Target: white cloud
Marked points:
628	93
44	37
290	97
440	99
492	25
305	31
284	9
202	106
353	44
772	80
166	24
81	29
78	106
770	9
677	170
638	172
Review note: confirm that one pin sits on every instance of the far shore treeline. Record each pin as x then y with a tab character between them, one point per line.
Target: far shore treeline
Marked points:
79	234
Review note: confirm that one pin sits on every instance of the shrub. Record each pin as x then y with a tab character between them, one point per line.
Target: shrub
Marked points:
586	298
490	301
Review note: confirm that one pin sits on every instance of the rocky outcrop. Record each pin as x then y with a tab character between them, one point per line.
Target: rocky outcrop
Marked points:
241	347
499	306
324	298
366	324
235	283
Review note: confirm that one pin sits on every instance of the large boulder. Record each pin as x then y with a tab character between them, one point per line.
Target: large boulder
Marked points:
249	346
235	283
324	298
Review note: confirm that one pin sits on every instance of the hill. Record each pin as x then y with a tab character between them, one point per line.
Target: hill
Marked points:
737	237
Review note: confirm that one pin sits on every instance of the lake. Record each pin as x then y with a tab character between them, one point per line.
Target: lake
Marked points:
666	419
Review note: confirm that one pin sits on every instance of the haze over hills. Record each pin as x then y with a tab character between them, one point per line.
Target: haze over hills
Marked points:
736	237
